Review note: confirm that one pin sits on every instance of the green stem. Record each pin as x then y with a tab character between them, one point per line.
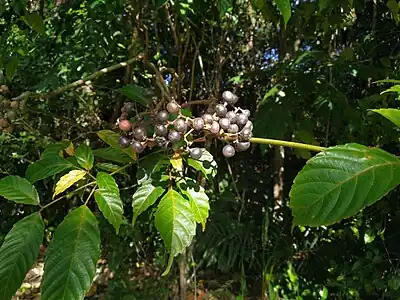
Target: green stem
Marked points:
287	144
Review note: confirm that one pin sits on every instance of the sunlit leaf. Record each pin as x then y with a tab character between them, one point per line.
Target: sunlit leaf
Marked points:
176	162
46	167
340	181
68	180
70	263
144	197
205	164
391	114
108	199
18	253
19	190
175	221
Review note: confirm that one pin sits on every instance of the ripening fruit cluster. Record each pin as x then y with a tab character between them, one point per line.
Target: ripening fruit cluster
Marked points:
169	127
8	110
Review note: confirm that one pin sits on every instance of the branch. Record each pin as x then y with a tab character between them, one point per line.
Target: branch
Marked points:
287	144
79	82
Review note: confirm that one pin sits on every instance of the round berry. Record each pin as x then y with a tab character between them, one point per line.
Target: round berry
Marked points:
214	127
4	123
160	130
220	110
174	136
125	125
123	116
210	110
137	147
245	134
249	125
224	123
124	141
242	119
11	115
195	153
229	97
173	107
208	119
180	125
242	146
231	115
233	128
14	104
228	151
246	112
139	133
161	141
198	124
162	116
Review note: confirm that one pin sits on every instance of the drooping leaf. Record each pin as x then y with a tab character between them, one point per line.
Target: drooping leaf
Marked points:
84	156
108	199
391	114
112	139
393	89
137	94
70	262
68	180
47	167
286	10
35	21
337	183
198	199
152	167
175	221
11	67
18	253
144	197
19	190
112	154
205	164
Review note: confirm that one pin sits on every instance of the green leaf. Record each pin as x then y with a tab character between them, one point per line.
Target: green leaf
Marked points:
175	221
71	258
108	199
144	197
224	6
391	114
11	67
394	8
198	200
84	157
111	168
19	190
323	4
205	164
68	180
388	81
137	94
393	89
112	155
112	139
35	21
152	168
340	181
284	7
55	149
47	167
18	253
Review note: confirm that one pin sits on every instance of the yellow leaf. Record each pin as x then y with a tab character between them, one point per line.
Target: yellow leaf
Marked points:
176	162
68	180
70	149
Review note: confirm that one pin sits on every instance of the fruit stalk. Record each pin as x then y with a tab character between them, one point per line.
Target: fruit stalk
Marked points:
295	145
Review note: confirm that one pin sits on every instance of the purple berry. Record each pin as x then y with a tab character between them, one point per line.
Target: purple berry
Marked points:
215	127
139	133
242	119
198	124
242	146
180	125
233	128
173	107
162	116
174	136
229	97
160	130
195	153
228	151
224	123
208	119
137	147
124	141
220	110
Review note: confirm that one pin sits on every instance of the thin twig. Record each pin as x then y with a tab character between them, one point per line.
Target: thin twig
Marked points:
90	195
79	82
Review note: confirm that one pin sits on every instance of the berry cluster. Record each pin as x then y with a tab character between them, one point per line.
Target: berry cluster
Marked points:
8	110
170	128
